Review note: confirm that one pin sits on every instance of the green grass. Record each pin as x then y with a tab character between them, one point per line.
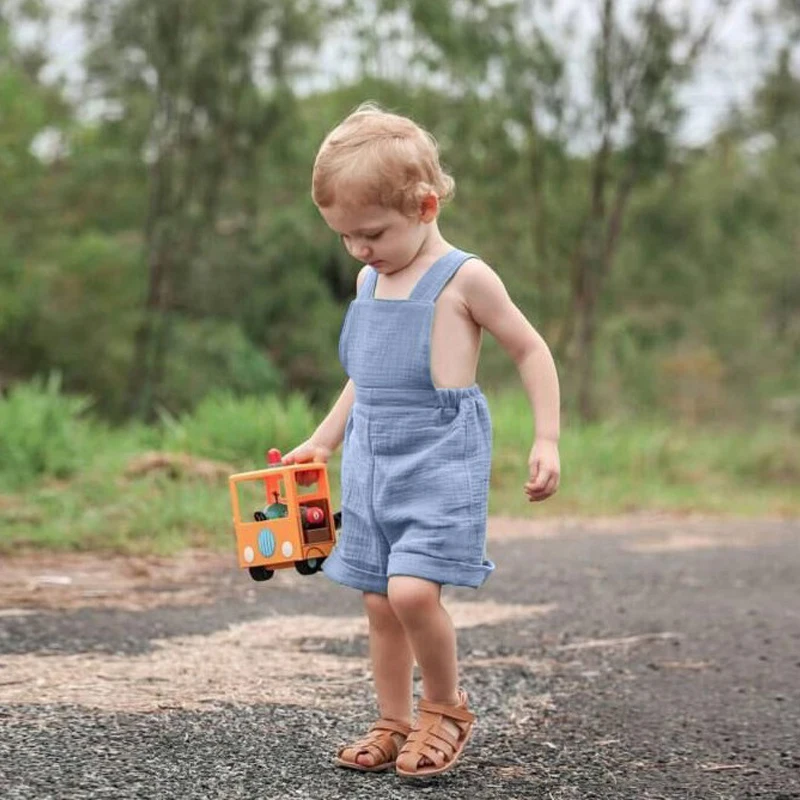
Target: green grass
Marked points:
79	496
624	466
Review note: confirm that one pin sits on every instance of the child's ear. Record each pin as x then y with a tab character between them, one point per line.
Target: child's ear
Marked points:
429	207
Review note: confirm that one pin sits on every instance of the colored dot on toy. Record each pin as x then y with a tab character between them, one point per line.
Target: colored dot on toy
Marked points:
266	542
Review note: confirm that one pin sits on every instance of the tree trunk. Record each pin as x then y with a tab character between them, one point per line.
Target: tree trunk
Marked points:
141	386
586	332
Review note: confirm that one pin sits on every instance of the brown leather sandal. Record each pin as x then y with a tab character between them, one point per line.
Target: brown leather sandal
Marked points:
430	739
379	743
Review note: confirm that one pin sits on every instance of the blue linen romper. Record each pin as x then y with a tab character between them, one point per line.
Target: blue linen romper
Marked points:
416	459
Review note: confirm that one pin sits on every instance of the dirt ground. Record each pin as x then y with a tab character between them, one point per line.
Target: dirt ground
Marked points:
638	657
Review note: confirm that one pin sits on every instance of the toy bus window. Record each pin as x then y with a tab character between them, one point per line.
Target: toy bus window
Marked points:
258	501
276	492
307	481
316	521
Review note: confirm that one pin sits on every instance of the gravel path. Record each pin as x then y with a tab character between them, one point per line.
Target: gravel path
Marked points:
636	659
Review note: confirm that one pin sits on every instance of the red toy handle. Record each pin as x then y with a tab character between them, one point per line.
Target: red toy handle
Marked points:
274	456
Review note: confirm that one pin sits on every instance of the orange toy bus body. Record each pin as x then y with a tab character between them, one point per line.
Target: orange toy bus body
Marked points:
295	528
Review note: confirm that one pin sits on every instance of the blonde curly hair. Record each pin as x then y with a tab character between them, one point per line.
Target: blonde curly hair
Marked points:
374	157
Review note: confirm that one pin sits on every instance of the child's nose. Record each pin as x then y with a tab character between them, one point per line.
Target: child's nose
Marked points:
363	251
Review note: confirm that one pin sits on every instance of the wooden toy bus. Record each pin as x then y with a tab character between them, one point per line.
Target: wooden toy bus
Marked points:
294	524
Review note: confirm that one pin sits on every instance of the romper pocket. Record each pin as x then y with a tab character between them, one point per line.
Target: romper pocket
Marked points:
434	432
423	480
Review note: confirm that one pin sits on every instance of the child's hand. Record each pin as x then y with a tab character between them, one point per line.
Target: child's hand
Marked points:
544	469
308	451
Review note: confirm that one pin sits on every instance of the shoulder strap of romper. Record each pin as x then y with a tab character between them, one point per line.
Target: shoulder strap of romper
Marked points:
367	289
430	286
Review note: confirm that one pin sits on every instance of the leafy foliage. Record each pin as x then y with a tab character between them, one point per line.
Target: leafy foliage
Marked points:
240	430
677	265
42	433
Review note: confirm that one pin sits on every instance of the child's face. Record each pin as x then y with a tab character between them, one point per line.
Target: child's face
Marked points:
379	236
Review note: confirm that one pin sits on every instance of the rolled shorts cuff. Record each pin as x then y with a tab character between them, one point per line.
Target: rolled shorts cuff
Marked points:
439	570
337	569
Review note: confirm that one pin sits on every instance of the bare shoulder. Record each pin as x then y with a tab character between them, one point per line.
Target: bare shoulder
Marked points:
478	281
488	303
476	271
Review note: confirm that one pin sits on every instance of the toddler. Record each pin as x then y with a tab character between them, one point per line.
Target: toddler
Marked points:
416	427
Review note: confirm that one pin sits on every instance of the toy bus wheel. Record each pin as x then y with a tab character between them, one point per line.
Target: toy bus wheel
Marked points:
337	520
261	573
309	566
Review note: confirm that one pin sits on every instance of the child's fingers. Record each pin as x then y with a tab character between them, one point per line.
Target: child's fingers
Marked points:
303	455
543	487
551	486
538	476
299	455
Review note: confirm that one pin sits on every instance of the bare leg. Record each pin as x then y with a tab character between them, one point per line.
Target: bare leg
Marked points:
416	603
392	663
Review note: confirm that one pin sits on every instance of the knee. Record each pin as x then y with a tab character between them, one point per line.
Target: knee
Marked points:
412	598
379	610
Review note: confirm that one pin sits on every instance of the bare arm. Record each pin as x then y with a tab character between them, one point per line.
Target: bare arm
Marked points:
492	309
330	432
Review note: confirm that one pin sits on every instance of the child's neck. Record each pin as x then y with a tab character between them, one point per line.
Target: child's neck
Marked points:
399	285
433	247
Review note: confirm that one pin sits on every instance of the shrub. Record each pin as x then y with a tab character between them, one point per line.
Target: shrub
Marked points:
42	432
240	429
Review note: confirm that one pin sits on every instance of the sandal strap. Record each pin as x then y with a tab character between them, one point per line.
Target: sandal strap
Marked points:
436	756
371	747
379	742
437	737
392	726
459	712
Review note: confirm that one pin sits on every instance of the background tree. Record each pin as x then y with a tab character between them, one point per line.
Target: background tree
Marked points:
169	205
634	124
629	124
208	85
34	117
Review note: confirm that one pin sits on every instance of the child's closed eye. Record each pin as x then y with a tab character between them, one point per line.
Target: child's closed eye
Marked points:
348	240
